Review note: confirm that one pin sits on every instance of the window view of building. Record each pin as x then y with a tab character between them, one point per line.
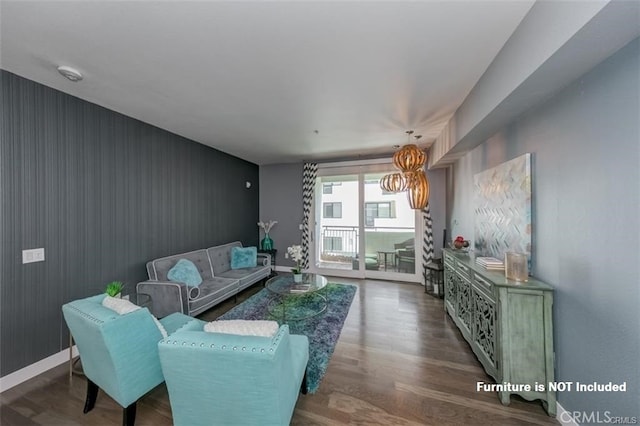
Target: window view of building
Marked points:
327	188
380	209
332	210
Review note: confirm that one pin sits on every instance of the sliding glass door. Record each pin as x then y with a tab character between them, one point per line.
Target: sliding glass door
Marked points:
361	231
337	222
389	229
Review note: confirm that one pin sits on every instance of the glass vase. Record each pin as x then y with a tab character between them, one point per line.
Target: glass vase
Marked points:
267	243
516	267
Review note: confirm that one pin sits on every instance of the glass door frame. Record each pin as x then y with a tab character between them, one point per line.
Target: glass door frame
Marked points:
360	169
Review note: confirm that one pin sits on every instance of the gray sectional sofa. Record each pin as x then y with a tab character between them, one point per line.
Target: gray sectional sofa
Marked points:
219	281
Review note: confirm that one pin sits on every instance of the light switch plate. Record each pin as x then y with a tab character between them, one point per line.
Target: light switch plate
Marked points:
33	255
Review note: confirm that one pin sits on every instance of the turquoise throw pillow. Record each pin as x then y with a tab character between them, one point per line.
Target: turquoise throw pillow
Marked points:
244	257
185	272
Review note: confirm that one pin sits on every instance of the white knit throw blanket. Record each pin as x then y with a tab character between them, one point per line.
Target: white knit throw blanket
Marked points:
123	306
243	327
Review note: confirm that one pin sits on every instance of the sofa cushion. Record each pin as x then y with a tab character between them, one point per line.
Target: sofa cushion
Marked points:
244	257
159	268
243	327
185	272
213	291
247	276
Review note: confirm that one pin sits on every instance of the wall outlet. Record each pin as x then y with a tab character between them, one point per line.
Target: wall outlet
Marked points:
33	255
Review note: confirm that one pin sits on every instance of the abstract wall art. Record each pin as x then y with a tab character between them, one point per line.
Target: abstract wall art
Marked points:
502	202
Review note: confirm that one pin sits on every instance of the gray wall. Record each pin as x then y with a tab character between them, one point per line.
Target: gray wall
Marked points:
586	208
103	194
438	207
281	200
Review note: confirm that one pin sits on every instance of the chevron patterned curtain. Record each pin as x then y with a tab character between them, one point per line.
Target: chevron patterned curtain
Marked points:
427	239
309	173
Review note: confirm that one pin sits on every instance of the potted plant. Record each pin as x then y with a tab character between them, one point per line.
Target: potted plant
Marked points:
295	252
114	288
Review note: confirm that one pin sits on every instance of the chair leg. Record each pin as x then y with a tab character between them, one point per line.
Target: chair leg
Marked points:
92	394
129	415
303	387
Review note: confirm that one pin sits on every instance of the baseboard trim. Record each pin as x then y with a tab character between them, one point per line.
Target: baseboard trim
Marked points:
31	371
564	417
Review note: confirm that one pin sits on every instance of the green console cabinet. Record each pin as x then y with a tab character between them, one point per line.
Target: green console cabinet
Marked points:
508	325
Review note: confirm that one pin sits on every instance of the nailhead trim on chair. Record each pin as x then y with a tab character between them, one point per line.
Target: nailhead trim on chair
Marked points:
223	347
86	315
274	342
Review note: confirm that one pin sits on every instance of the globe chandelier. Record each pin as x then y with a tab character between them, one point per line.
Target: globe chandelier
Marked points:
410	161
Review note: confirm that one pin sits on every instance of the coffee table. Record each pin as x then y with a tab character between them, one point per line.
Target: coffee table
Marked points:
295	301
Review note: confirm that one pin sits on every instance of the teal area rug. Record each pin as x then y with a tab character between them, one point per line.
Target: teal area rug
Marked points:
322	330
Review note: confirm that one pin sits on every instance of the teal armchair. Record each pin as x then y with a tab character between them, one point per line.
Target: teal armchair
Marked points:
229	379
119	352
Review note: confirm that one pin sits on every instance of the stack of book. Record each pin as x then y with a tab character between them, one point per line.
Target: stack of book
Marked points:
490	263
300	288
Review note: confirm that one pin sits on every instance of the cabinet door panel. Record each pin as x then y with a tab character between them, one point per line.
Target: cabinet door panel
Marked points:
464	306
450	291
485	331
524	320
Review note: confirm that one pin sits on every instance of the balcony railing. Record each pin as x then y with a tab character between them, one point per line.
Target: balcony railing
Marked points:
339	241
342	242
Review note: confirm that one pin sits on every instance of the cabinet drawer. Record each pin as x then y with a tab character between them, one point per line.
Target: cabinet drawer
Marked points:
483	286
462	269
448	260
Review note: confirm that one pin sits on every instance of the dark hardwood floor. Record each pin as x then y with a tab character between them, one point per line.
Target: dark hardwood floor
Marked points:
400	361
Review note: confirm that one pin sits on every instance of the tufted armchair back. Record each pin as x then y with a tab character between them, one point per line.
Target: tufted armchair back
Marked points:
216	378
119	353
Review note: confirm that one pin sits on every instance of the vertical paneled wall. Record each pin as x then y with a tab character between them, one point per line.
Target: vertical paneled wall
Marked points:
102	193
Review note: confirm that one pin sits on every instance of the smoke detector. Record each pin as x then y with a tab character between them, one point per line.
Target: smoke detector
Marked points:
70	73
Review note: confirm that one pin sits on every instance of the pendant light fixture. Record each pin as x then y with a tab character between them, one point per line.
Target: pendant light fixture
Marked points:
409	157
418	192
410	160
393	182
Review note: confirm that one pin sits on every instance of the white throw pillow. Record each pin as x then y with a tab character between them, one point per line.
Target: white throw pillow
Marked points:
120	306
123	306
243	327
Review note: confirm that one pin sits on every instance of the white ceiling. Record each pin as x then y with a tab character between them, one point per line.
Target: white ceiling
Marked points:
257	79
